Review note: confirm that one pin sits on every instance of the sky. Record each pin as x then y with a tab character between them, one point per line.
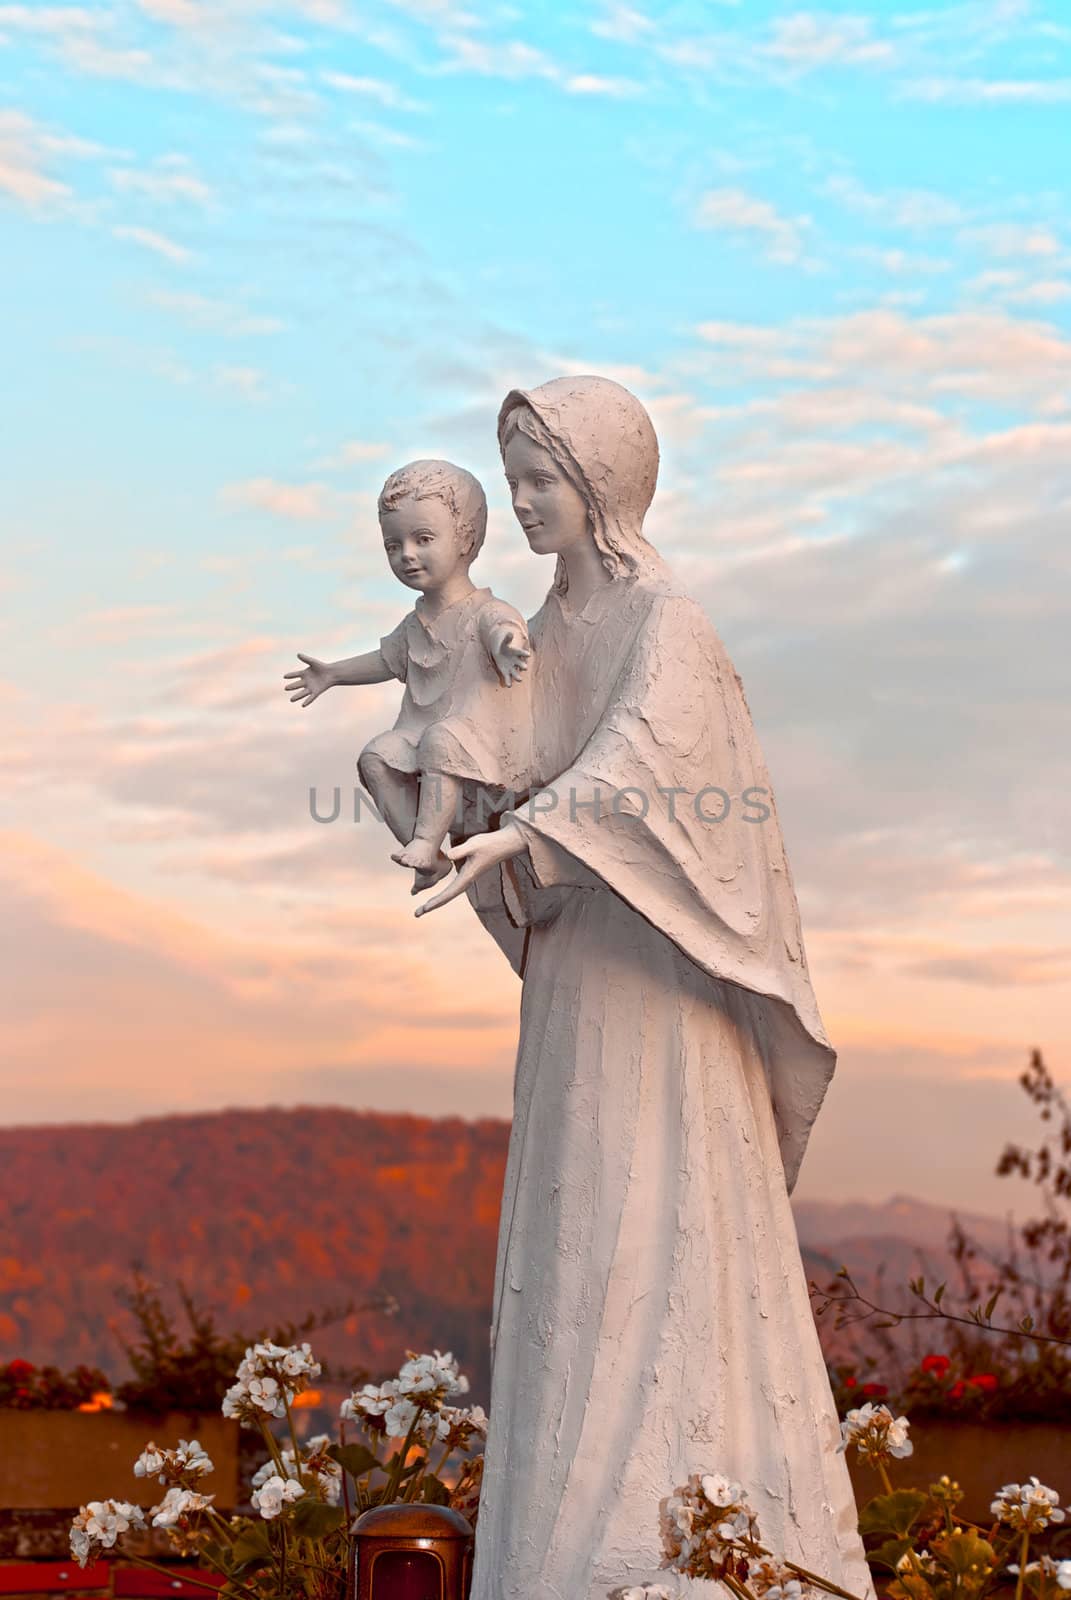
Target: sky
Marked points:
254	255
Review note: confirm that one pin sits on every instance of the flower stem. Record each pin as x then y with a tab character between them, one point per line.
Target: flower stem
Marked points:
822	1583
1024	1546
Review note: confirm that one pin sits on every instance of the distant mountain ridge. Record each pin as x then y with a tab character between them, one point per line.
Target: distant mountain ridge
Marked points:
266	1215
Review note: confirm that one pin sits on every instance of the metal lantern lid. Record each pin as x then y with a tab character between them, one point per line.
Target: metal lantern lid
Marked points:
412	1522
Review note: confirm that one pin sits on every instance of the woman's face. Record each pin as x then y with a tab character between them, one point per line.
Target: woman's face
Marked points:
552	512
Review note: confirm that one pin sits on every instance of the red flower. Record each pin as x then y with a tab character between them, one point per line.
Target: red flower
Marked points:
850	1383
876	1390
20	1369
958	1390
937	1365
986	1381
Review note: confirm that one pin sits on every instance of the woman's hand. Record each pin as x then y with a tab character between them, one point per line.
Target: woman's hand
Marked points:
307	686
473	858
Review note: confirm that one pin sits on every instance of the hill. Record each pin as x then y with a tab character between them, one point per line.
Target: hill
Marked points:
267	1215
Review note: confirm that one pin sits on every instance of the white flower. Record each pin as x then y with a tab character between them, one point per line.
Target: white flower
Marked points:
719	1491
433	1376
1063	1574
176	1504
1027	1506
314	1462
876	1433
734	1527
149	1463
400	1418
99	1524
276	1492
188	1460
268	1378
374	1400
646	1591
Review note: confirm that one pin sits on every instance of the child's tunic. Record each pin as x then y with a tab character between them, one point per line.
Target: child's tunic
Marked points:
457	716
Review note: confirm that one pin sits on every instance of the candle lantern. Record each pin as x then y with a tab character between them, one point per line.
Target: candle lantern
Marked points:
410	1552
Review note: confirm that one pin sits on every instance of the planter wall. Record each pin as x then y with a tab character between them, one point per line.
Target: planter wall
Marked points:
980	1457
65	1458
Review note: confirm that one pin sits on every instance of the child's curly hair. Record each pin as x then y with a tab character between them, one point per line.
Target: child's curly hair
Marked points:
459	491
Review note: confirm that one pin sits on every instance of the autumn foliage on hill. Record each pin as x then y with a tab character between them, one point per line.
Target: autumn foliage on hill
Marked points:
264	1216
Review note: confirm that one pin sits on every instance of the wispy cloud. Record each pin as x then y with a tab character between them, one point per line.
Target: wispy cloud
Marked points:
385	94
171	180
159	243
807	40
991	91
30	153
295	502
201	311
749	217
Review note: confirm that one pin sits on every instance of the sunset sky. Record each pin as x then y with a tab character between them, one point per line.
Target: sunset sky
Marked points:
254	255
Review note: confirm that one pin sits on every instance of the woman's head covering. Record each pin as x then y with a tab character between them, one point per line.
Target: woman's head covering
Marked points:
605	442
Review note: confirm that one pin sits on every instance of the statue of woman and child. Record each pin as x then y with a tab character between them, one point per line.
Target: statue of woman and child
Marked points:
651	1315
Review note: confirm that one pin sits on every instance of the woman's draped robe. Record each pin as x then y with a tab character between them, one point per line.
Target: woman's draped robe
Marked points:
651	1315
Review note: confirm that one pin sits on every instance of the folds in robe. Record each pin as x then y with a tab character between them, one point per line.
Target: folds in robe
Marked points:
650	779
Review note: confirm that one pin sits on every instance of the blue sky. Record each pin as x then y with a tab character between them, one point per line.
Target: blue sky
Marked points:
255	255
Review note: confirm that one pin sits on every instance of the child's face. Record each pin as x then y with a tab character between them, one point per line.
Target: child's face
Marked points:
422	543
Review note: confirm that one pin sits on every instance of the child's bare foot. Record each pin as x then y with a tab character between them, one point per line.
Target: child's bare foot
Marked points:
420	854
434	875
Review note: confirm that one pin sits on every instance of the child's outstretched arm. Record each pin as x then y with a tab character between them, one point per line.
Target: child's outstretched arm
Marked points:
505	638
307	685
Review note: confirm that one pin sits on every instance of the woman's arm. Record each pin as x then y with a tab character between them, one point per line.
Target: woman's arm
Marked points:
473	858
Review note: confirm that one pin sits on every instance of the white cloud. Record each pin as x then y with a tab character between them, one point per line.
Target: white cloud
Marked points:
167	183
159	243
295	502
200	311
623	23
991	91
385	94
590	83
1007	239
746	215
808	40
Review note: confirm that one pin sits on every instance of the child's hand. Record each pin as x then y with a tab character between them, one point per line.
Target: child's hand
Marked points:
510	655
311	683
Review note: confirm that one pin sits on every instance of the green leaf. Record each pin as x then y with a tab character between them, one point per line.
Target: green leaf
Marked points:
435	1491
357	1459
991	1302
893	1513
313	1520
962	1550
251	1548
889	1553
938	1294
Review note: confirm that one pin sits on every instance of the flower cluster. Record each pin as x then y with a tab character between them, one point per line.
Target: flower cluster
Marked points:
1058	1572
25	1387
1027	1507
187	1460
414	1402
99	1524
876	1433
177	1506
268	1378
313	1462
643	1591
705	1523
274	1493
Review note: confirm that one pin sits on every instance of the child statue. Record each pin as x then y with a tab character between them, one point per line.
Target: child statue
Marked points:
460	653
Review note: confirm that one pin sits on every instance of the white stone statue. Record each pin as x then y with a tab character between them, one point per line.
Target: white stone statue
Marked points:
651	1316
458	652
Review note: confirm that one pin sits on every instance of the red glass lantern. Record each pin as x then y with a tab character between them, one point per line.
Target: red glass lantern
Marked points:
410	1552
